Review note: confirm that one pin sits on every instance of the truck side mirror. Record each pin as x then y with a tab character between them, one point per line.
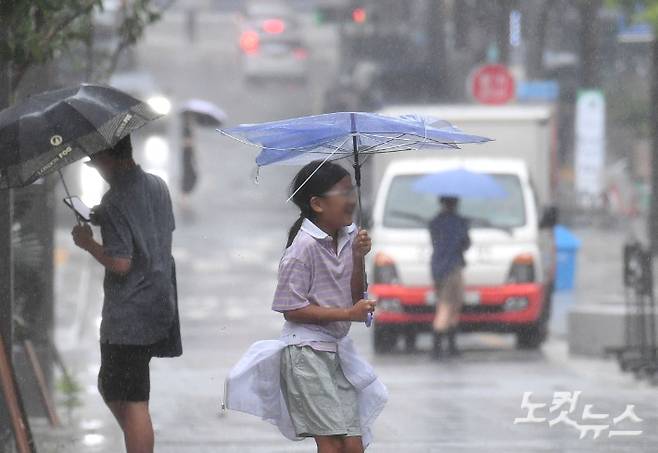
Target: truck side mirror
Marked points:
549	217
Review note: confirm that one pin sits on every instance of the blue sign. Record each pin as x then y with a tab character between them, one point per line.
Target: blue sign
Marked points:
537	90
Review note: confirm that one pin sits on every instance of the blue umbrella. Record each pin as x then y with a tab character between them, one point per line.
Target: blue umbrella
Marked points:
460	183
354	135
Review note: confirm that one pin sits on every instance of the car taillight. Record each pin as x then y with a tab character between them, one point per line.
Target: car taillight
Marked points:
301	53
359	15
385	270
249	42
522	270
274	26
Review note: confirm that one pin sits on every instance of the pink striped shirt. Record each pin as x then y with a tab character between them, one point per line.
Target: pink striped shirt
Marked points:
311	272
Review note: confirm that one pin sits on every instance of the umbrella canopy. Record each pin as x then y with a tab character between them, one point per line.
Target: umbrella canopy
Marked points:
48	131
460	183
346	135
205	113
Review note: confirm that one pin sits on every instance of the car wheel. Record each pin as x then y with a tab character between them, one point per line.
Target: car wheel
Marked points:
384	338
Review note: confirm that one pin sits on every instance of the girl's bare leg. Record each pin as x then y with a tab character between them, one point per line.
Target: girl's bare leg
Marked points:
329	444
353	444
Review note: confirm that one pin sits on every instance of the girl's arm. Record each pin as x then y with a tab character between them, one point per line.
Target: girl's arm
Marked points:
360	249
358	282
315	314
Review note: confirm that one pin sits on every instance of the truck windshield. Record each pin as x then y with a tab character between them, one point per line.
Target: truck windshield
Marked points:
406	208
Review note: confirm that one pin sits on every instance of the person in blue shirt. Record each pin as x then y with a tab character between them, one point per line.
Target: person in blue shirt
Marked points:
450	239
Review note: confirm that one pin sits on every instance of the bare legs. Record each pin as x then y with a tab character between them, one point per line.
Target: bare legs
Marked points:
339	444
135	421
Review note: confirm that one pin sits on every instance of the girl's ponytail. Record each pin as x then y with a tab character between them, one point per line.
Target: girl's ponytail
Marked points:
294	229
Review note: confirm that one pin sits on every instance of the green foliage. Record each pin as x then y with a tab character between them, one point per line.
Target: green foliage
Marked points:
37	30
650	7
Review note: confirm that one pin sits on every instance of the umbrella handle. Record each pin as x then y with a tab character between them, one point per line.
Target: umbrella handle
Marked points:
370	316
68	194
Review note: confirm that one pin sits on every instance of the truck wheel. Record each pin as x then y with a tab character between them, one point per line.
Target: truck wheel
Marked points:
384	338
532	337
410	339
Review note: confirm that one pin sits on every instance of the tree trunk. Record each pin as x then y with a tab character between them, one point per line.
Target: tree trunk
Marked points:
653	215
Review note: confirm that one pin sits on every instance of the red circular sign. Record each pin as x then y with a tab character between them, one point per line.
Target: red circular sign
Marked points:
492	84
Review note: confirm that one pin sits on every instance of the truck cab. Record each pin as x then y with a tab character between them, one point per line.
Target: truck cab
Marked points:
510	266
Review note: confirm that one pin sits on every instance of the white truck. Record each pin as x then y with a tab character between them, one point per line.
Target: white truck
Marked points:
510	270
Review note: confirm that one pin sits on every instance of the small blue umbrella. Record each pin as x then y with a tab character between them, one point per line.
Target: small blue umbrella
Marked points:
460	183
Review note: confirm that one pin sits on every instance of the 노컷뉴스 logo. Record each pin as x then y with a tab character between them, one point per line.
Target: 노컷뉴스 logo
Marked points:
563	407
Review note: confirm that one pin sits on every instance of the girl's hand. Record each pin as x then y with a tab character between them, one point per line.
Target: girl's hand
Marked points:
361	245
359	311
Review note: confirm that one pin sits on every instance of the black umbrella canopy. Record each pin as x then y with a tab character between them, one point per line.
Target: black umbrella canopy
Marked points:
48	131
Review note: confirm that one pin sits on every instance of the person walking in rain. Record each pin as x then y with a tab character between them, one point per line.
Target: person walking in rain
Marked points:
190	174
140	313
330	393
450	239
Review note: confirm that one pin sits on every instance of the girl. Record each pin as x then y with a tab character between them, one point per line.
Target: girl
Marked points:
321	288
326	391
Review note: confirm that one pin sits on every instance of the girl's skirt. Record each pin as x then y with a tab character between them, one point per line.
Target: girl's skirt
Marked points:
320	399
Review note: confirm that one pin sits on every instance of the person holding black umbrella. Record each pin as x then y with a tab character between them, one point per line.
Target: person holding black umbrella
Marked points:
140	315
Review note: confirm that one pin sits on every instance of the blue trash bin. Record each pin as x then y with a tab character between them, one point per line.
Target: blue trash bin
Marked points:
567	246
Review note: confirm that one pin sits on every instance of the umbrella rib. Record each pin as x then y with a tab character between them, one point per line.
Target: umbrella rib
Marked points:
379	144
311	175
402	138
271	148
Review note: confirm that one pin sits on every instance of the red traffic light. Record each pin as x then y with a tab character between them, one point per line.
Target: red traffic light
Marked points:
359	15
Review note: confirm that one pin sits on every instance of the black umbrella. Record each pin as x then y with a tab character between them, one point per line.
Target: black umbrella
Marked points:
48	131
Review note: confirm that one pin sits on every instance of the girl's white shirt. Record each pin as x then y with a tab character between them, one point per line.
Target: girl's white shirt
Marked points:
253	385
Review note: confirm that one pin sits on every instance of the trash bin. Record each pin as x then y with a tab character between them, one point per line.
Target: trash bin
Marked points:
567	246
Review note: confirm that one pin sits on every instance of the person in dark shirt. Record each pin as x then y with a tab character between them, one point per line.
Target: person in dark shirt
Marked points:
450	239
140	310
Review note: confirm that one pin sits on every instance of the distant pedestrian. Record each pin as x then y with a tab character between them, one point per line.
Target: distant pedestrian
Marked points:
450	239
140	311
190	174
330	393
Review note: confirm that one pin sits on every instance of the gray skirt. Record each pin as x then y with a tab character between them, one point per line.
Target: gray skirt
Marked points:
320	400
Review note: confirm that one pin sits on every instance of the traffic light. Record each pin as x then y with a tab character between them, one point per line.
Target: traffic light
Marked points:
359	15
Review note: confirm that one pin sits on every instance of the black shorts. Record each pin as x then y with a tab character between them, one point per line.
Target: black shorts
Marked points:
124	373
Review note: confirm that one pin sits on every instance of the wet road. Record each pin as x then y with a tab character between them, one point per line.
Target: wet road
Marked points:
230	236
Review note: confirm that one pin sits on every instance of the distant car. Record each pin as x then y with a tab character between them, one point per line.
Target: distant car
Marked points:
271	43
